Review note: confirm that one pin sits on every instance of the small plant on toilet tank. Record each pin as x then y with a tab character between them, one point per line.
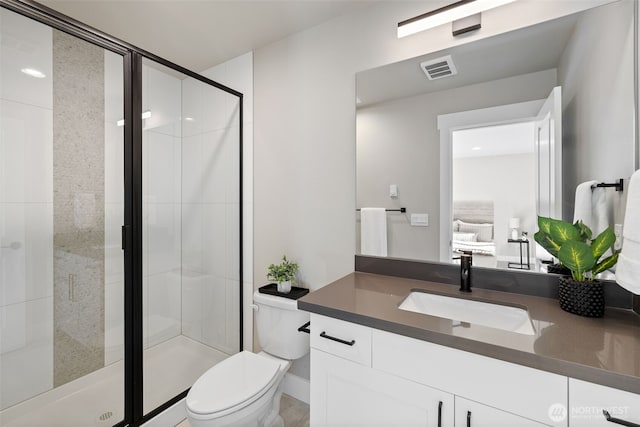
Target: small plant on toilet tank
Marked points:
284	274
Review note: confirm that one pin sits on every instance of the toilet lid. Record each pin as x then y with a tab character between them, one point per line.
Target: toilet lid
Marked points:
233	381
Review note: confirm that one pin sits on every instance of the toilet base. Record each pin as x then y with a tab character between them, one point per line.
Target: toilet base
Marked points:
263	414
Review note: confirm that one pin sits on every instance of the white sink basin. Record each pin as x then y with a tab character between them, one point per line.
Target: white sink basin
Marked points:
497	316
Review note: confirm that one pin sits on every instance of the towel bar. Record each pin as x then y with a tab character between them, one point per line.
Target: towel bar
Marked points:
392	210
618	185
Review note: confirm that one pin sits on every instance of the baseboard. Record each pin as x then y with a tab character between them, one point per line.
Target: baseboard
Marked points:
172	416
296	387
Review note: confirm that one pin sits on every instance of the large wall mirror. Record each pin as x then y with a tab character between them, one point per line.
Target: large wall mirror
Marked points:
509	128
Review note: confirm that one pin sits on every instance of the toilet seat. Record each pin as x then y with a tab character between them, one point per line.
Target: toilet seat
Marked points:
232	384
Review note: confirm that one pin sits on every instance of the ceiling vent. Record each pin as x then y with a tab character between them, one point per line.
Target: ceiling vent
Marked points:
439	68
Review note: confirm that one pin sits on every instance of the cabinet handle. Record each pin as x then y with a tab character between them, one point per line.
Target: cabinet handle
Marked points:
468	418
617	420
440	414
323	334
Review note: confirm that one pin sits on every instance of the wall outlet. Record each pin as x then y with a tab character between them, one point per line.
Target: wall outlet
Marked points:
419	220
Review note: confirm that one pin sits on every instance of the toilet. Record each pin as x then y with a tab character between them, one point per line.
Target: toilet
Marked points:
244	390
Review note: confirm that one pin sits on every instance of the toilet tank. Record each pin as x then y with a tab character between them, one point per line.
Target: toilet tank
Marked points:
277	323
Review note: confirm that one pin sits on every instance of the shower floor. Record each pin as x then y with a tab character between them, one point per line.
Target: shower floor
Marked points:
97	399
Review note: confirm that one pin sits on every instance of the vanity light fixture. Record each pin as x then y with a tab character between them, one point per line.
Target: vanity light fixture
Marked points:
145	115
34	73
450	13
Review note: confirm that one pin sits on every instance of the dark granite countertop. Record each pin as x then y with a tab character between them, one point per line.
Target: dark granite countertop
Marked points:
604	351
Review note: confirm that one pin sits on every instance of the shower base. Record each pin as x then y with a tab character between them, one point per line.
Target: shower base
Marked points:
97	399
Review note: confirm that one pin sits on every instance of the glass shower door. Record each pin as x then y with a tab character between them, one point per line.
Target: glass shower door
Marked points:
191	237
61	208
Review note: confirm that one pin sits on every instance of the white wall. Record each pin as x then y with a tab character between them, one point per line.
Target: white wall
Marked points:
398	142
305	126
26	210
509	181
598	138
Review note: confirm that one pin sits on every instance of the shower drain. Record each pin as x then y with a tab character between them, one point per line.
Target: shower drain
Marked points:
105	416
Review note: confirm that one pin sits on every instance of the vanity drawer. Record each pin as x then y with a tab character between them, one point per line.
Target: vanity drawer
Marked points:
587	400
513	388
342	339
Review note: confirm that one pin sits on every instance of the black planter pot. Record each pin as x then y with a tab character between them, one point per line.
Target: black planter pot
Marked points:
582	298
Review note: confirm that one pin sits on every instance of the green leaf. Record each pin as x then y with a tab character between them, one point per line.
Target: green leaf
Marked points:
585	232
547	242
606	263
602	243
577	257
561	231
544	224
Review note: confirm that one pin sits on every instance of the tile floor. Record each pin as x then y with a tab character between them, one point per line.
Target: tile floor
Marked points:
294	413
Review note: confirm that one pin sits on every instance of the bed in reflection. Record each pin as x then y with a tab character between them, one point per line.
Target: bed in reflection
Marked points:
473	230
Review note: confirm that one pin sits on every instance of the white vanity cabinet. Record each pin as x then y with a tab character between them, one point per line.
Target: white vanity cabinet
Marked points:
587	400
474	414
346	391
402	381
505	386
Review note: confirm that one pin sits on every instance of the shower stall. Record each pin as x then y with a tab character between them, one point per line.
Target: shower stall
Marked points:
120	225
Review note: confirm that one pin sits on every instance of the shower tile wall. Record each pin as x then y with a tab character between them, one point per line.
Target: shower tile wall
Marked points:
161	205
210	216
114	210
78	207
190	214
238	74
161	211
26	211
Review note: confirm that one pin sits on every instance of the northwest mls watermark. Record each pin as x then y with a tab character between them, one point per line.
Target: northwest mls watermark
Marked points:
558	412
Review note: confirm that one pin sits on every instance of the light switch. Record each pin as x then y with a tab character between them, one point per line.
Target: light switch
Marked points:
420	219
393	190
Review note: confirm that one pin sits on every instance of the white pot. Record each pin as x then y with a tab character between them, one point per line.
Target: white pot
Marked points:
284	287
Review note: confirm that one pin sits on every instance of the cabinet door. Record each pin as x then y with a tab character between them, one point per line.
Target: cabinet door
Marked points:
473	414
344	393
511	387
587	400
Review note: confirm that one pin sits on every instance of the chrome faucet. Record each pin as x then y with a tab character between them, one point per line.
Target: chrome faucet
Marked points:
466	261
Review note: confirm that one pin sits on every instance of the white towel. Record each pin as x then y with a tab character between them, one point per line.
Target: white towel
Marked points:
583	206
602	211
628	268
373	231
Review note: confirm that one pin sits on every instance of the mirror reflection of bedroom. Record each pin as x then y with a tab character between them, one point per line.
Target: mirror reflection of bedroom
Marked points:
494	194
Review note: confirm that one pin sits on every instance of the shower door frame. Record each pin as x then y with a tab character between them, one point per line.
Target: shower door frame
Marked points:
132	243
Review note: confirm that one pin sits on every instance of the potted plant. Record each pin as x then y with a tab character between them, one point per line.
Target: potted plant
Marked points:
581	254
284	274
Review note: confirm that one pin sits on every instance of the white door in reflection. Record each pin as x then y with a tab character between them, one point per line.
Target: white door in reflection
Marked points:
548	135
